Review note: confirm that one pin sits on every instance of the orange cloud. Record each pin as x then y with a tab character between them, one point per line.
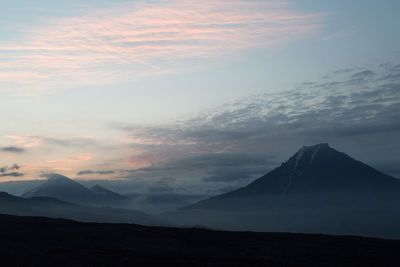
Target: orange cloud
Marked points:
143	38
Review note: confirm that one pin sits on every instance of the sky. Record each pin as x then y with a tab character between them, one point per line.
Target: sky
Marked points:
194	96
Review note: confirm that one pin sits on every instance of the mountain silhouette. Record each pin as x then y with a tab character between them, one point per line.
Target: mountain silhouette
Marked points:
319	190
63	188
320	168
317	169
107	194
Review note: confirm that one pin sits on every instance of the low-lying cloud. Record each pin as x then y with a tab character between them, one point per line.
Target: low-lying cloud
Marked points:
12	174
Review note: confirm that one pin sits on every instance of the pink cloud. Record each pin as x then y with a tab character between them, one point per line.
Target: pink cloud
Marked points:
144	38
81	158
25	141
32	167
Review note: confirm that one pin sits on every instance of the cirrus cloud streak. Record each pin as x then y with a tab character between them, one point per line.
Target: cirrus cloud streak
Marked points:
141	38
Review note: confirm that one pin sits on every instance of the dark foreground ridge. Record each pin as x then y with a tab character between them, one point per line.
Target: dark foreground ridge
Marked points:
35	241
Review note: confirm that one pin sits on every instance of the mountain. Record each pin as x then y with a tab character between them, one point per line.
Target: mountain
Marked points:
314	171
19	187
318	190
63	188
107	194
54	208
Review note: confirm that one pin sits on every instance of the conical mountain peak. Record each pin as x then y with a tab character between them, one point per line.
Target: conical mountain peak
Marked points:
56	176
66	189
307	155
63	188
317	146
53	179
313	170
322	168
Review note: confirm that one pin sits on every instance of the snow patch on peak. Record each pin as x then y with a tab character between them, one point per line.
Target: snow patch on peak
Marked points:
296	164
298	157
315	149
314	154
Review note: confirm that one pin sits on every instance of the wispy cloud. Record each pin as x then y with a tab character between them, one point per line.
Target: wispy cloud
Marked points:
138	38
29	141
342	33
25	141
81	158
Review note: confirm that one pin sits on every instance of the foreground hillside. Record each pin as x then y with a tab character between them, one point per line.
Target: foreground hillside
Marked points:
38	241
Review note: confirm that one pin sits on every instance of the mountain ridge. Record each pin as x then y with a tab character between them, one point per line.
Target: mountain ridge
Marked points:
107	193
55	208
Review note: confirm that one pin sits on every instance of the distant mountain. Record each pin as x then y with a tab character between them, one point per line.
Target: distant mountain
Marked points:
54	208
318	190
63	188
107	194
19	187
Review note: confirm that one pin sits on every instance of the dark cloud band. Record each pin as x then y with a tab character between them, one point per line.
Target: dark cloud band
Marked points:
86	172
12	149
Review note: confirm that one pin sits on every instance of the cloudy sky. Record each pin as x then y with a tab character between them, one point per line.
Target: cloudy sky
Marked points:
194	96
